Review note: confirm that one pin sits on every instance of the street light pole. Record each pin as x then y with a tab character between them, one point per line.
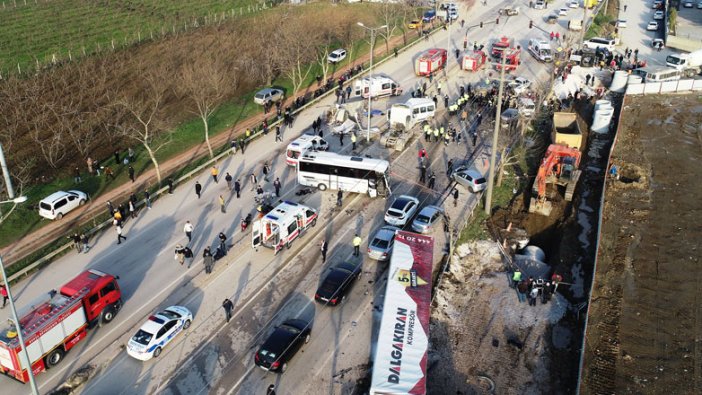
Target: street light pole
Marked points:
6	174
495	135
25	354
370	73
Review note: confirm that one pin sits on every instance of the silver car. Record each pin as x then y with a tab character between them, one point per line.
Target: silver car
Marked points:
426	219
380	246
470	178
268	95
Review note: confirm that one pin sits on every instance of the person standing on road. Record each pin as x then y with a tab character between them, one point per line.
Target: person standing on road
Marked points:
147	199
341	139
180	254
423	173
233	146
198	189
3	292
254	181
118	228
228	179
277	185
188	253
132	209
278	134
188	229
222	242
130	169
455	197
432	180
237	188
522	289
449	167
339	197
222	203
84	242
228	308
353	141
76	241
323	248
266	170
357	244
208	260
516	278
169	181
215	172
271	390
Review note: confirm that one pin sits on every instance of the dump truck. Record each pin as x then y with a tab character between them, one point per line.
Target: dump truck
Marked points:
55	322
566	131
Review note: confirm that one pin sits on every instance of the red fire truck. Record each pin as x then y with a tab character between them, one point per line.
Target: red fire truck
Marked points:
499	46
511	60
55	322
473	61
430	62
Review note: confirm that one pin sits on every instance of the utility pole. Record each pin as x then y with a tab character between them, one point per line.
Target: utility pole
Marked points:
582	26
495	135
6	174
370	73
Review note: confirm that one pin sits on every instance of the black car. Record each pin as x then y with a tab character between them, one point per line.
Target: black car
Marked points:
337	283
282	345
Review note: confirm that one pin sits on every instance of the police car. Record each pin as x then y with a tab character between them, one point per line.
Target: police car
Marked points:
158	331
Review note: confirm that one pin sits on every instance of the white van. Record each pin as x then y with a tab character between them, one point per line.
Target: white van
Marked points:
599	42
58	204
301	144
541	50
408	114
377	86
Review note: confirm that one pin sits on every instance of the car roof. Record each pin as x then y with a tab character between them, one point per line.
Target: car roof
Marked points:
154	323
266	90
57	195
339	50
386	232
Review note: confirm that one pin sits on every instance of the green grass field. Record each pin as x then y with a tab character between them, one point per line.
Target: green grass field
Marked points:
40	28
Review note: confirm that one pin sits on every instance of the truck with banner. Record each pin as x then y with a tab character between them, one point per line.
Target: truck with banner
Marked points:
400	362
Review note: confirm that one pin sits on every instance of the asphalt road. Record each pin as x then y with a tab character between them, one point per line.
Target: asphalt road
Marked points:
265	288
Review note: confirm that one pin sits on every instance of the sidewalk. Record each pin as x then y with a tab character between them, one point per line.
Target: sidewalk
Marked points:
83	215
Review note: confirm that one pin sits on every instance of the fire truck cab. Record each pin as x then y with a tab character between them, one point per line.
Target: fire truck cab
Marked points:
500	46
285	223
430	61
511	60
55	322
473	61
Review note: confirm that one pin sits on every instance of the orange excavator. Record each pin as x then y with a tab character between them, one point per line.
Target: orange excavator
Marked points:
559	167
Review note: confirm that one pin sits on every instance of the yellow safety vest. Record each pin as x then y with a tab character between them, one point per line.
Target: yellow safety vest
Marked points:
441	130
436	132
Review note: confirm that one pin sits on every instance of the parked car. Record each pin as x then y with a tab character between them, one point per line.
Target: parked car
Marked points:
470	178
415	24
652	26
380	246
519	85
621	23
58	204
337	55
159	330
573	4
600	42
552	19
687	4
268	95
337	283
427	217
563	11
658	15
429	16
401	210
508	116
657	4
656	42
540	5
285	341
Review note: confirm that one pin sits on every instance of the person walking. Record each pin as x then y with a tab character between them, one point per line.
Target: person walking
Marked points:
323	248
4	294
277	185
188	229
76	241
266	171
118	228
208	260
214	171
455	197
180	254
188	253
339	197
233	146
533	294
228	307
254	181
169	181
356	244
84	241
130	169
449	167
147	199
522	289
222	242
222	204
516	278
228	178
237	188
198	189
278	134
432	180
423	173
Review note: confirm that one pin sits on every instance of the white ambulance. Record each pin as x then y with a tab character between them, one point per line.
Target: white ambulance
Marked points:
302	144
282	225
377	86
541	50
408	114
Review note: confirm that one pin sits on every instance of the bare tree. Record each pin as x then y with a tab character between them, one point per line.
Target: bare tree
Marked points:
144	122
389	14
296	55
206	82
264	46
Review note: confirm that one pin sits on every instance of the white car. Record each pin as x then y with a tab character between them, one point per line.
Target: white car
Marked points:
337	56
658	15
520	85
658	42
687	4
401	210
652	26
58	204
562	11
540	5
621	23
656	4
573	4
159	330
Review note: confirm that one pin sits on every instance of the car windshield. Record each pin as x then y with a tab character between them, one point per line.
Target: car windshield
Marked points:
399	204
170	314
143	337
422	219
380	243
260	95
394	213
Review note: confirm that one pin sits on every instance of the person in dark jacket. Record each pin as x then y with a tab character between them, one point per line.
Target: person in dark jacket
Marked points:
208	260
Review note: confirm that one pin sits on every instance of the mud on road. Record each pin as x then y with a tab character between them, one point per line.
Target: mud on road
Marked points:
644	330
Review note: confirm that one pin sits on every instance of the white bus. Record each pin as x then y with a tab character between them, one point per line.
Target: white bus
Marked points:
348	173
658	74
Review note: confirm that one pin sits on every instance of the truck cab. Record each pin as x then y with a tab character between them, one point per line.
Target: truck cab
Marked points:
285	223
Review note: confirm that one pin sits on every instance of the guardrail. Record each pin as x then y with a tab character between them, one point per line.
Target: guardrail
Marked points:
50	256
648	88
